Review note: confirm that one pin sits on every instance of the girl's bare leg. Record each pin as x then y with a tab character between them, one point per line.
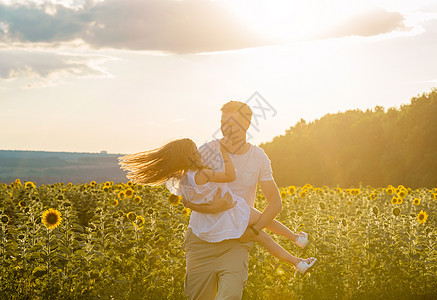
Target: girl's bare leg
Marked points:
274	226
275	249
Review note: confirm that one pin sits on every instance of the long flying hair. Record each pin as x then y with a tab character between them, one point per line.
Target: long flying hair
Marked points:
156	166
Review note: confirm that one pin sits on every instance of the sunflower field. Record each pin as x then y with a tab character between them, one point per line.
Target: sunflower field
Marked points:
125	241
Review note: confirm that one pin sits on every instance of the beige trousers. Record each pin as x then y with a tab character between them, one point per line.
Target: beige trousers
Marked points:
215	270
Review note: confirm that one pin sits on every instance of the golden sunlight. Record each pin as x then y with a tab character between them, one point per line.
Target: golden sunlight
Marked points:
280	19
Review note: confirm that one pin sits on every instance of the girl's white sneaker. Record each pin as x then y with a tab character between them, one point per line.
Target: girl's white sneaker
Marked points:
304	266
302	241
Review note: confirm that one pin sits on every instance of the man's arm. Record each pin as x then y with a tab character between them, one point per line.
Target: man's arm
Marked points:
218	204
274	206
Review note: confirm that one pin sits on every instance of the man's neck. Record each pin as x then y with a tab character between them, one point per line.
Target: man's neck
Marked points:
240	148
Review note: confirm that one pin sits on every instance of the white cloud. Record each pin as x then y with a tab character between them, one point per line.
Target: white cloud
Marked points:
43	67
370	23
189	26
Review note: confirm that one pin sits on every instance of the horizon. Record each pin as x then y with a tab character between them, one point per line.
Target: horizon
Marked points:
61	151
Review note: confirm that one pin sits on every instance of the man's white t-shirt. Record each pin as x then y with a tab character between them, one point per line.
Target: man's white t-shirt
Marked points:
250	167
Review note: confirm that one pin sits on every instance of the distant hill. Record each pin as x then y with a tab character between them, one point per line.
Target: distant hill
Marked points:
373	147
44	167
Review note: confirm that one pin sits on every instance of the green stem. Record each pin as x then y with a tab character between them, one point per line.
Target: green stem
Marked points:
48	258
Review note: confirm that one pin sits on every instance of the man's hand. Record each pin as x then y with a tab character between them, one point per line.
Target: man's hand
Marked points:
218	204
248	236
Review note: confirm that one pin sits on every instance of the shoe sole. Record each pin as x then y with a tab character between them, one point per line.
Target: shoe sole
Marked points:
310	268
304	246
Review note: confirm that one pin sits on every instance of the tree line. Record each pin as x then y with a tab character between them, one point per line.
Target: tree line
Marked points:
376	147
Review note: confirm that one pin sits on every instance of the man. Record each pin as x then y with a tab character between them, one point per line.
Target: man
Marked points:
220	270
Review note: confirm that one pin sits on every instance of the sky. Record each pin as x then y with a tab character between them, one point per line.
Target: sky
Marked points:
125	76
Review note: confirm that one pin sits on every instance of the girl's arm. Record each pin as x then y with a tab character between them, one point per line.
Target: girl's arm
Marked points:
219	204
206	175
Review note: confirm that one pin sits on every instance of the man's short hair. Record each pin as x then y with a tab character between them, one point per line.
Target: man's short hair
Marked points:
240	107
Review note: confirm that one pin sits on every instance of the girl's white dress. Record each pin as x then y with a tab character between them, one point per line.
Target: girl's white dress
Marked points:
212	228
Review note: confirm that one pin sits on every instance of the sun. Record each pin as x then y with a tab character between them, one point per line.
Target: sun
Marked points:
275	19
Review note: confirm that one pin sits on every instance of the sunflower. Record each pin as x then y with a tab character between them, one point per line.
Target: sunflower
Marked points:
303	194
400	200
130	183
137	199
18	182
174	200
389	191
396	211
22	204
422	216
291	190
402	193
416	201
114	202
434	196
129	193
283	194
51	218
121	195
30	185
373	196
105	188
92	183
186	211
394	200
107	183
70	184
131	216
4	219
338	190
140	221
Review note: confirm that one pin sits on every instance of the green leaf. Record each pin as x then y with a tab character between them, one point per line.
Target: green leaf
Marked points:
39	271
64	249
77	228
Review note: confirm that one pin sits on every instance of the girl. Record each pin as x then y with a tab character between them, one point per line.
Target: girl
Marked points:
179	164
